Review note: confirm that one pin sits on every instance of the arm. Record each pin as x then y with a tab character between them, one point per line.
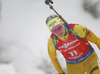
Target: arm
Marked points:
94	39
52	55
83	32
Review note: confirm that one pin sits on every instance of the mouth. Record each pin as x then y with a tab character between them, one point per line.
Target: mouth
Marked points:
61	34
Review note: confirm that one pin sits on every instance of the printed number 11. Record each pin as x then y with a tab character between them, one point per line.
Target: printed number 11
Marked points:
73	53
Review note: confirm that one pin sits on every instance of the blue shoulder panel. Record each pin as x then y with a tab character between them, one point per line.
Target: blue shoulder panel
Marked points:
55	41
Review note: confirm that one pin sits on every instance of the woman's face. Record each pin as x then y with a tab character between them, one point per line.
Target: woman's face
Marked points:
59	30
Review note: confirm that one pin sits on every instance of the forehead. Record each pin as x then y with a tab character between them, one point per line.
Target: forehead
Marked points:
54	22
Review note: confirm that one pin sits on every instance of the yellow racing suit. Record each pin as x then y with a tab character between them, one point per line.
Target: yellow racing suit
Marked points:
89	66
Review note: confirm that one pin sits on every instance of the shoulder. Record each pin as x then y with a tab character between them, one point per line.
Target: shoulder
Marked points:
50	41
72	25
80	30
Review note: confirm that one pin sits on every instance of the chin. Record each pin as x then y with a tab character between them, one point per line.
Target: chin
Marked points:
61	36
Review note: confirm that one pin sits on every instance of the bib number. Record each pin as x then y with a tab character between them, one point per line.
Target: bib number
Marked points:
73	53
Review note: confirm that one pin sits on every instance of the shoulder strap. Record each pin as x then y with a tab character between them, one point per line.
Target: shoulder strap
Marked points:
72	32
55	41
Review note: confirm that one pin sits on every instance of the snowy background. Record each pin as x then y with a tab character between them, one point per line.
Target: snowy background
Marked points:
24	34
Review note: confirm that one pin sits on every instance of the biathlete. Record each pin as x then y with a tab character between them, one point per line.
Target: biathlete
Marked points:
72	41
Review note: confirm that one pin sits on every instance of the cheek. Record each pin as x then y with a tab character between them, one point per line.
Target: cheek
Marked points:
63	28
